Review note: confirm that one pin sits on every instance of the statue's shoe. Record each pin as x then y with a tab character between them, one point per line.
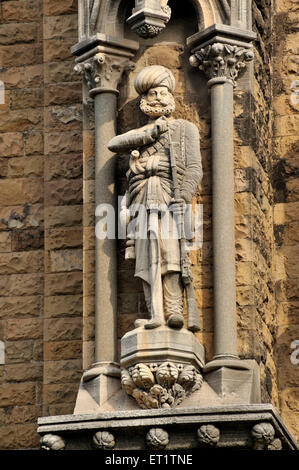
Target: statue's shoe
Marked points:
175	321
151	324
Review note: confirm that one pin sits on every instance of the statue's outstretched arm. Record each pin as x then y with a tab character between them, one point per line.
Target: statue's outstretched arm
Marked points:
131	140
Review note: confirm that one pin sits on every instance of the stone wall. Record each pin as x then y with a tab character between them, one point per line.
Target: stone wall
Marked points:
47	207
40	216
286	205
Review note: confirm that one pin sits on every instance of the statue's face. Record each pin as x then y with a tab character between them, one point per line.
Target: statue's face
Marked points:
157	102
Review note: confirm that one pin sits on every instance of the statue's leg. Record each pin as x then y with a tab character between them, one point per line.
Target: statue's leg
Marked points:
173	299
156	290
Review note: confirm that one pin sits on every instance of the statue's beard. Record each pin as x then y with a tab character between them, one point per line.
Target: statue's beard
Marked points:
156	110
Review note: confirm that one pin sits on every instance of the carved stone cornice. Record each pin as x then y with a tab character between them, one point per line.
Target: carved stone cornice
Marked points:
221	62
103	72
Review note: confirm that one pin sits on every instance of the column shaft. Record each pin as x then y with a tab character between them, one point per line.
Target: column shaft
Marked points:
225	327
106	250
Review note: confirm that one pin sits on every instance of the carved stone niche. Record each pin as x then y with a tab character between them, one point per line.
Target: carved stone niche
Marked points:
161	367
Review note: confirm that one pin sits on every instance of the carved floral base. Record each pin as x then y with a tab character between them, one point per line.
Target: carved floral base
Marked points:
160	385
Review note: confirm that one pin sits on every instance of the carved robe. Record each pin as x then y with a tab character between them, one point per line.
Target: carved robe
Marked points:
151	185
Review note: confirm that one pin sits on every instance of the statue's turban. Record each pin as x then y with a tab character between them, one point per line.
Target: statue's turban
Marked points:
154	76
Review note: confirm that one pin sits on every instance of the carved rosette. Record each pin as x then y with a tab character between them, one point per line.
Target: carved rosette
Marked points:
222	60
263	435
157	439
103	71
52	442
160	385
103	440
208	435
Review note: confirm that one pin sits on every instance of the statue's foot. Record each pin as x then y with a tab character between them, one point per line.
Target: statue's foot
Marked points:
151	324
175	321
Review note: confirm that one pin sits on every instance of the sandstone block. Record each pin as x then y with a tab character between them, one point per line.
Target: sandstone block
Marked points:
27	239
28	98
62	142
20	54
22	262
20	306
63	191
65	26
288	369
18	351
24	328
25	167
30	76
60	393
62	350
61	329
27	372
20	436
17	394
59	94
11	144
20	120
66	260
170	57
67	237
22	414
5	242
63	283
64	118
13	33
21	11
57	72
21	216
59	372
63	216
63	166
60	8
34	143
57	49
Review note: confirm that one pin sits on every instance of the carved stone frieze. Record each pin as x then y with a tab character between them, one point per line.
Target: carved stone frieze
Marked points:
160	385
103	71
222	60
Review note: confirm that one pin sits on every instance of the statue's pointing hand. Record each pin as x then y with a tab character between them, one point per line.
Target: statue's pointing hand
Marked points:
161	126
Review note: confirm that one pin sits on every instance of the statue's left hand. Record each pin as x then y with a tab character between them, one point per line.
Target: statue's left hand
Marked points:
177	207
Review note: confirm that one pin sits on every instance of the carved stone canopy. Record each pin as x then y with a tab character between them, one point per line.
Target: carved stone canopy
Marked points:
149	17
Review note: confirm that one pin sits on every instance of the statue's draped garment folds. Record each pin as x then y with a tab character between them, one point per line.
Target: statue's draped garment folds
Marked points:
163	151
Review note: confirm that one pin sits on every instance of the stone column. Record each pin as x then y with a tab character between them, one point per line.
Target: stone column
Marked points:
102	72
221	62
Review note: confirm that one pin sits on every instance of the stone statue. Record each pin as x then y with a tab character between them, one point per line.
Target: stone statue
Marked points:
165	170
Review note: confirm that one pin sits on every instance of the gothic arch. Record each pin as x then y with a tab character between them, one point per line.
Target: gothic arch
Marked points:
111	14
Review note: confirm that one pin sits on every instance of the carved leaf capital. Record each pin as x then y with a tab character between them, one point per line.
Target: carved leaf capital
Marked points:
222	60
103	70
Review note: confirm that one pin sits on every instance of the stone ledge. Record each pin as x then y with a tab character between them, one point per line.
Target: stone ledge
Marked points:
129	428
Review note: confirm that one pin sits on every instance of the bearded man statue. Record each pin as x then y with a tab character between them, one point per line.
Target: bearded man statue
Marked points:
165	170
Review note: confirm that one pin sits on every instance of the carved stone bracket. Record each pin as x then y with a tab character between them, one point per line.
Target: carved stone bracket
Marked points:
149	17
52	442
157	439
263	435
103	72
222	61
160	385
103	440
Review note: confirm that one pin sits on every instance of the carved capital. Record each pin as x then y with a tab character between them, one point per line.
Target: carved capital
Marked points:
103	72
222	60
